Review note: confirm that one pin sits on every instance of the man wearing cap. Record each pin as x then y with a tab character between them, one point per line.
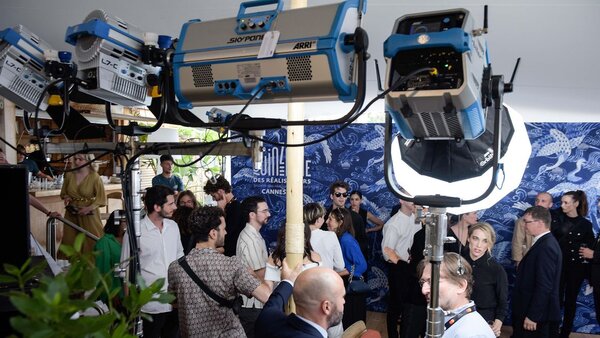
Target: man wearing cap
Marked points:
167	178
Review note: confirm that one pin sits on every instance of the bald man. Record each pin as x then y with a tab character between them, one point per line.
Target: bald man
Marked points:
319	296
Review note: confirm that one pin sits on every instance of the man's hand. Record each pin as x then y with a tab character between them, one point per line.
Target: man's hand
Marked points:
392	255
288	273
529	325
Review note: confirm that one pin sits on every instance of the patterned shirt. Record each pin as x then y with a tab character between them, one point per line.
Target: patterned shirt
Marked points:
252	250
200	315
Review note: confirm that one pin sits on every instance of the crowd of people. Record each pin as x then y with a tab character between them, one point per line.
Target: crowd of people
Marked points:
222	247
228	284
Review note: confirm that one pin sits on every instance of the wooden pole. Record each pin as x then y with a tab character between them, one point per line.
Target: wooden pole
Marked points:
294	230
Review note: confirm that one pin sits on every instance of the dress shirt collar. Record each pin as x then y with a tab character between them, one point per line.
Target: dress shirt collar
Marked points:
253	230
321	330
538	237
151	226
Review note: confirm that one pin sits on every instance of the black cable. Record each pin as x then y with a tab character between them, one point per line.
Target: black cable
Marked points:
226	130
360	99
350	120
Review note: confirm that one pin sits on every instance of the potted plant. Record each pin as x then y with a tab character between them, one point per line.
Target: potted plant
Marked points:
53	306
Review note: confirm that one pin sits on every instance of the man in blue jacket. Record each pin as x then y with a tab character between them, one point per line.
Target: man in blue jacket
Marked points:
319	296
536	308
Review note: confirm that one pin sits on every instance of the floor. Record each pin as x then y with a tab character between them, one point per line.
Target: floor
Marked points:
376	321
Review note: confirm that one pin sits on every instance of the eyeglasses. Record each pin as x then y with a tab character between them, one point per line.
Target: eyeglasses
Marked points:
339	194
527	222
427	281
263	211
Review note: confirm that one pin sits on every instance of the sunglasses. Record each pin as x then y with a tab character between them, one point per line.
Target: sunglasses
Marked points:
338	194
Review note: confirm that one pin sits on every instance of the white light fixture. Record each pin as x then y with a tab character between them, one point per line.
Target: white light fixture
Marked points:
513	162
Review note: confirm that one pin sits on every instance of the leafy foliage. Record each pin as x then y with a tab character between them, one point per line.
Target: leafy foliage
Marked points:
52	308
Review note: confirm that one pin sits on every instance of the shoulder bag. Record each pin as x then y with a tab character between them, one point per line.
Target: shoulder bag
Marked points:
357	285
235	304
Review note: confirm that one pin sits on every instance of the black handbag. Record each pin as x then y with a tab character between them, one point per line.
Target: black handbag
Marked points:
235	304
357	285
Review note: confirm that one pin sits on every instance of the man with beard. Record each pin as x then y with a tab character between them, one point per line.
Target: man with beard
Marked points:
200	314
319	296
220	191
160	244
252	250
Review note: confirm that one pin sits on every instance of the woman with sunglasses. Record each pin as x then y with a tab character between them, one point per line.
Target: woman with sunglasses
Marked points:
340	222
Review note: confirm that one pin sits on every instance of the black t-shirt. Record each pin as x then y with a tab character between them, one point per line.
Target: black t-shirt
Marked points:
234	224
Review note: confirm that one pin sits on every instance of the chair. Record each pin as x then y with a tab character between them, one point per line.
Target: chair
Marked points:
359	330
115	195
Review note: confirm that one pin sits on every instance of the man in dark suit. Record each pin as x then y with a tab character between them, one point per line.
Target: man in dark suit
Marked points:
536	308
319	296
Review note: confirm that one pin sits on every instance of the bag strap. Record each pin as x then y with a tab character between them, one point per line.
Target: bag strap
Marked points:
350	278
222	301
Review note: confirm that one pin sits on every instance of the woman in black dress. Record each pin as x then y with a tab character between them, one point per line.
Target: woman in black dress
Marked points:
490	285
573	232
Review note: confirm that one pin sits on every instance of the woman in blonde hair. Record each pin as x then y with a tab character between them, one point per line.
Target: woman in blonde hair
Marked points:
490	285
83	193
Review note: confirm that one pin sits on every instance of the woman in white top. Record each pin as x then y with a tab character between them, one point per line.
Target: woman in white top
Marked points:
273	270
325	243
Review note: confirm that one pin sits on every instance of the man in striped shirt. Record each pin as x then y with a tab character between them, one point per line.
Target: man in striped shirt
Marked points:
252	250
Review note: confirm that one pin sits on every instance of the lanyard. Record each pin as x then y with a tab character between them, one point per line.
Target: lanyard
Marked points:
461	314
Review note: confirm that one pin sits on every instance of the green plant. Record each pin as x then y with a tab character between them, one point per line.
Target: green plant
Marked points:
48	309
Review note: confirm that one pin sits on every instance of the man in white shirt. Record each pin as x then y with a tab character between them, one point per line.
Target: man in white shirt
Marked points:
455	285
159	245
398	233
252	250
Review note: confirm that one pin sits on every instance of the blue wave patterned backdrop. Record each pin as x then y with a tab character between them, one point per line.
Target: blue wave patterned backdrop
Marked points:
565	156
